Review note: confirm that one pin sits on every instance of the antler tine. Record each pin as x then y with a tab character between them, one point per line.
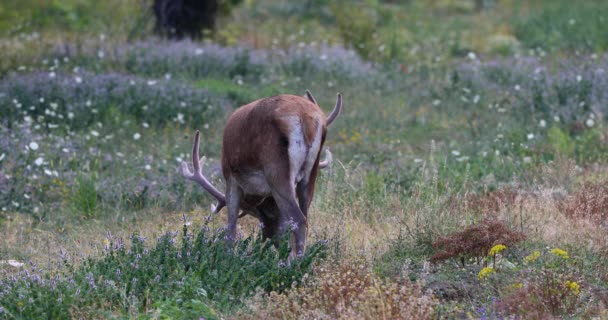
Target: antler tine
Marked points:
195	152
334	114
198	177
328	159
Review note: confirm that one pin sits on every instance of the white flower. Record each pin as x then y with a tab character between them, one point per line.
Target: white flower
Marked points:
88	103
148	167
15	263
579	78
556	118
455	153
151	82
527	159
517	87
436	102
476	99
2	156
168	76
52	74
530	136
101	54
70	115
33	145
94	133
542	123
463	158
589	122
39	161
145	125
472	56
198	51
48	172
78	79
136	136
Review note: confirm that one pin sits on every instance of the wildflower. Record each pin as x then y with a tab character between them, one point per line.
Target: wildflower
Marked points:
33	145
39	161
573	286
136	136
542	123
532	256
2	156
561	253
497	249
530	136
485	273
589	122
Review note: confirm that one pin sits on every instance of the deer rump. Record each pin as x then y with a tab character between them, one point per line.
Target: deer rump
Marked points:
270	157
270	161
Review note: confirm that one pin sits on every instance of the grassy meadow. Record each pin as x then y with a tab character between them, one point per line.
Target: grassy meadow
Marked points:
469	181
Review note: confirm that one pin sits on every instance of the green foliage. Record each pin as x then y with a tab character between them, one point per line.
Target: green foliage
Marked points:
84	197
239	93
560	142
560	24
194	276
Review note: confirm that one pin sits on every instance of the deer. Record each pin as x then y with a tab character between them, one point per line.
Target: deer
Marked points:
270	160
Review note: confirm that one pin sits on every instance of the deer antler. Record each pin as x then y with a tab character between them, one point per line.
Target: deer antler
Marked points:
198	177
328	159
337	108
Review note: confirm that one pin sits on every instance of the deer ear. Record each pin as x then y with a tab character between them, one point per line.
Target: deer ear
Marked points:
310	97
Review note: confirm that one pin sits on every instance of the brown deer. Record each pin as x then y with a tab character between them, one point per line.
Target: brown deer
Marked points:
270	160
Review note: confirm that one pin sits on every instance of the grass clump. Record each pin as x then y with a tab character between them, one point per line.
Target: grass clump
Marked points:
474	241
198	274
344	291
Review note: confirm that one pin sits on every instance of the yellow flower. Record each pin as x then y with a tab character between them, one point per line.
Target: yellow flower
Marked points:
518	285
485	272
560	253
532	256
497	249
573	286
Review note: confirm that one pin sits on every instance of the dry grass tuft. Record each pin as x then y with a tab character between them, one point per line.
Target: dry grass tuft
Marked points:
591	203
345	291
475	241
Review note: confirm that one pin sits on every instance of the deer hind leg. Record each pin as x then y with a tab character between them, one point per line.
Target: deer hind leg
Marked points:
233	199
291	218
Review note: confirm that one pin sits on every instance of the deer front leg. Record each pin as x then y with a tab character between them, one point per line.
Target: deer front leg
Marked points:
233	200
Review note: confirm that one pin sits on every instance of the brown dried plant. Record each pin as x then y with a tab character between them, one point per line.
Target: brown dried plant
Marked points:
489	202
346	291
475	241
590	203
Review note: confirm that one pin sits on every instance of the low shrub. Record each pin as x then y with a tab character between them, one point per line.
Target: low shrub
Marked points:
177	275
